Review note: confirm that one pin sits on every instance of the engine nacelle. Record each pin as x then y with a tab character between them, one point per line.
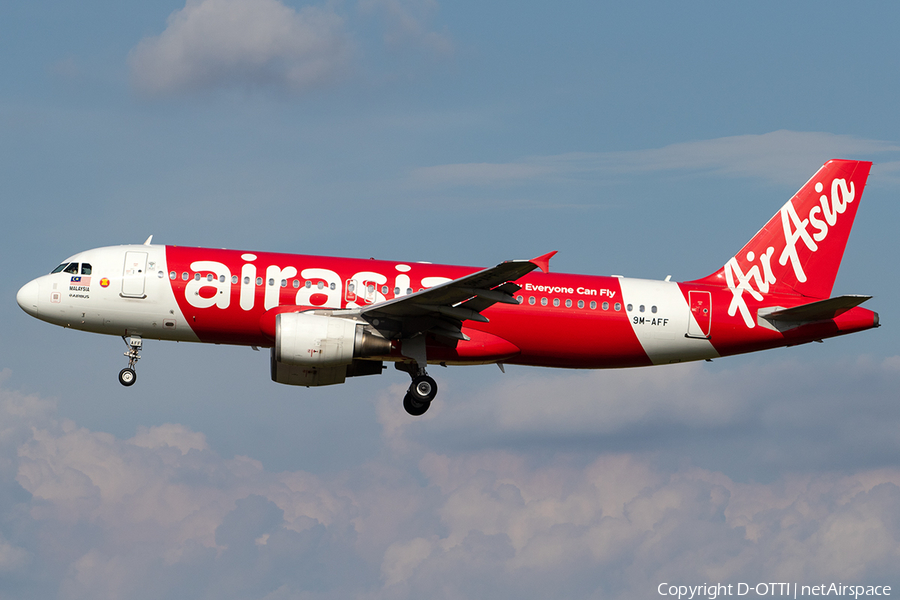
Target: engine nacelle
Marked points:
314	350
314	340
316	376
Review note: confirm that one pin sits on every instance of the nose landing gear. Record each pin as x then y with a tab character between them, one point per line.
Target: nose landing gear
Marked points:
127	376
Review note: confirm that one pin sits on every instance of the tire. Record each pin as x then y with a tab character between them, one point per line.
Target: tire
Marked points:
423	388
127	377
414	407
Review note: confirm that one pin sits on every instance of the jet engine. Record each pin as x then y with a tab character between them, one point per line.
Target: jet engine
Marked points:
314	350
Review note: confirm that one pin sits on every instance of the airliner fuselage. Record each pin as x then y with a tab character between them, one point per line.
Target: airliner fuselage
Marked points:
329	318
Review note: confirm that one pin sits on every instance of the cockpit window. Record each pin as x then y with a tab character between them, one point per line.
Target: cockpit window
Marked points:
71	268
85	268
59	268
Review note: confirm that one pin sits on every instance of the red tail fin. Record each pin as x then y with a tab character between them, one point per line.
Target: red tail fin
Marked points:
800	248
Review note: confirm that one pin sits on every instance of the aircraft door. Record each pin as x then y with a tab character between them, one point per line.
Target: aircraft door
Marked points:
133	275
701	313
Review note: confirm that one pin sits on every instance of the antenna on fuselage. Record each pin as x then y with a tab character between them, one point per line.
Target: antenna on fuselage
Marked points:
147	243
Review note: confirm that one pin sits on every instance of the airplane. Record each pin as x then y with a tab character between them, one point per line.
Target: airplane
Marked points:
325	319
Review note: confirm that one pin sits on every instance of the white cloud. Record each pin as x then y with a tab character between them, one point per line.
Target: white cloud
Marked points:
242	43
12	558
162	515
170	435
780	156
253	44
407	22
788	415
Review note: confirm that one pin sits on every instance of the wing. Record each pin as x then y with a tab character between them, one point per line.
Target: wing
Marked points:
442	309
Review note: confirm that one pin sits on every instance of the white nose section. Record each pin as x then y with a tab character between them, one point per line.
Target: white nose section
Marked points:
28	297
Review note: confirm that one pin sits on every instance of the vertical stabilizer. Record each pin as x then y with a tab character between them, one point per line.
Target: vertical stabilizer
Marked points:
800	249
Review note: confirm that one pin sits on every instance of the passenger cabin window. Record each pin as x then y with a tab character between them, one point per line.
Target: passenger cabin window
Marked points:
71	268
85	268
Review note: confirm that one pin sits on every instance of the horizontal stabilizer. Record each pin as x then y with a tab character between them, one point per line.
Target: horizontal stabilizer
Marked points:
821	310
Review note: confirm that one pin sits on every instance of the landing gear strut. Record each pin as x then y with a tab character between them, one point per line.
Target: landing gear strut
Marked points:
127	376
421	391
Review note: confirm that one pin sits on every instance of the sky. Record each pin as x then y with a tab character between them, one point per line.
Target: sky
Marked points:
641	139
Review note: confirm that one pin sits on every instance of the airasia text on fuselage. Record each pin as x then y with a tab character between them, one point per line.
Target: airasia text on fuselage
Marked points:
211	284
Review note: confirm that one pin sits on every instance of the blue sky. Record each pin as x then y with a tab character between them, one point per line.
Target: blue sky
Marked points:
645	139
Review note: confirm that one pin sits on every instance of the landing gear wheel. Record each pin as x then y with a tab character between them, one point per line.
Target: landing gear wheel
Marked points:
413	406
423	388
127	377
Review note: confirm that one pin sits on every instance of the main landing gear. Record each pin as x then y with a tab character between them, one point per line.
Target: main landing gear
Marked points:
421	391
127	376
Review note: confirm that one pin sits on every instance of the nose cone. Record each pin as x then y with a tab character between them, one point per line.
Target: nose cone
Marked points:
28	297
